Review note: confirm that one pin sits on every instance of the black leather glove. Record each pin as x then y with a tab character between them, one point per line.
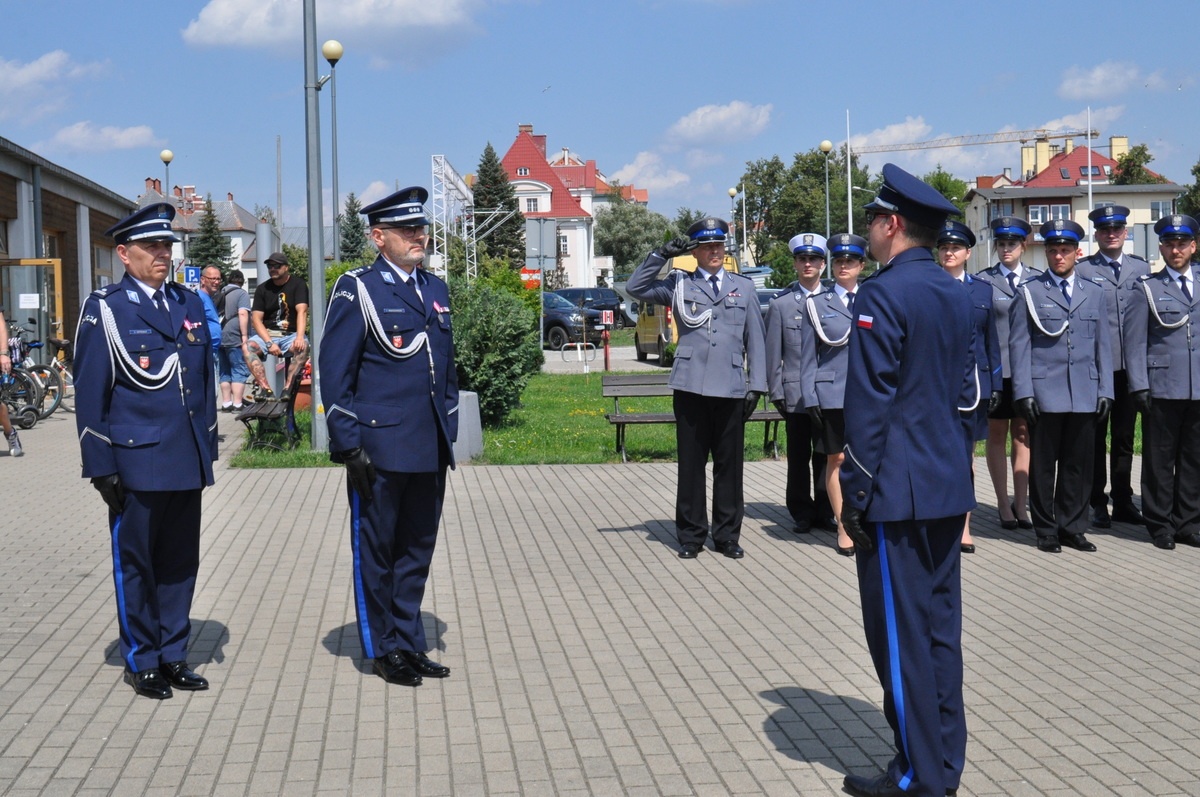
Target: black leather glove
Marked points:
852	524
1027	408
360	471
1103	408
780	406
994	401
112	491
1141	400
817	416
751	404
675	247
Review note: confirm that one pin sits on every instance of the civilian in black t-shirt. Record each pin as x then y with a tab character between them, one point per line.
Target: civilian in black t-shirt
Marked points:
280	314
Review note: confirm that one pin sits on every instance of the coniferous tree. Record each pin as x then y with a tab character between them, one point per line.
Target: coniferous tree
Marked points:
209	247
493	190
354	242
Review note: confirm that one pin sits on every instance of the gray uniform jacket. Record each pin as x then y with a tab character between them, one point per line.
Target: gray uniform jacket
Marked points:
721	349
824	364
788	340
1120	294
1160	343
1064	357
1002	301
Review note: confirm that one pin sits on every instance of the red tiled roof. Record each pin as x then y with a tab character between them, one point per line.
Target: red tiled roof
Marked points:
1073	162
530	153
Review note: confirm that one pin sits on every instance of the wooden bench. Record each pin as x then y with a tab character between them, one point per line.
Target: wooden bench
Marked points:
619	386
271	420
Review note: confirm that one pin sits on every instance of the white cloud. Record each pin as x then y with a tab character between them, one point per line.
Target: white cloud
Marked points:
279	23
1107	80
373	193
37	88
703	158
1102	118
647	171
911	129
721	124
87	137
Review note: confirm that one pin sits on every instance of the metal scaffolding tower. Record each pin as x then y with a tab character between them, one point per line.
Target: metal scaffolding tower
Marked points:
455	215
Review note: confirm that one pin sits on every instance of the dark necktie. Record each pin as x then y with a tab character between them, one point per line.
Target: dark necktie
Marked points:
1183	287
1066	294
850	302
713	280
1012	281
1116	264
160	302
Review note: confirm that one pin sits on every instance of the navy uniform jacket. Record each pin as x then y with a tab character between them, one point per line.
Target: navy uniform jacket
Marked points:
723	356
387	374
987	351
1002	299
824	364
787	341
911	368
1160	345
1065	372
145	400
1119	295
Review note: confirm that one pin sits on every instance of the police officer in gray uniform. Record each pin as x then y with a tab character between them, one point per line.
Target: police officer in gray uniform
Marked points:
1062	385
718	377
1118	273
1161	325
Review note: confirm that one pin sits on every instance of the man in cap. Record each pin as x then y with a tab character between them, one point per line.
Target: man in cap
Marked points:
1118	273
906	483
147	419
1062	385
1161	325
718	377
390	390
279	314
784	344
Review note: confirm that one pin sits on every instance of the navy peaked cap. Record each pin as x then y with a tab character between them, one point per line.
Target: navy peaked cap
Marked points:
846	244
956	232
910	197
708	230
1061	231
1109	216
1177	226
1010	227
151	223
405	208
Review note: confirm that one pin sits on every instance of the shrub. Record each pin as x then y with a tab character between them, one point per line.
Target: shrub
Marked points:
496	346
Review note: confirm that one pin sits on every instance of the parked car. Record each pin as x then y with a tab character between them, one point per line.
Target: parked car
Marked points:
563	322
765	295
599	299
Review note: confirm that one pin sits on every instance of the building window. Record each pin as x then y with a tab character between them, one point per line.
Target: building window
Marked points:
1083	171
3	237
1065	172
102	268
1060	212
1158	209
1107	170
562	245
999	209
1037	214
522	171
531	205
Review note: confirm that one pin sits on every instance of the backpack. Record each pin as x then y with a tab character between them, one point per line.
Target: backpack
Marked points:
221	300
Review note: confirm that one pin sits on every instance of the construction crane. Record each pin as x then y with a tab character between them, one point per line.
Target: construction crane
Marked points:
1011	137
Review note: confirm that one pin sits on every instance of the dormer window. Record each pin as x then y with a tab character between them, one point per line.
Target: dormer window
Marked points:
523	171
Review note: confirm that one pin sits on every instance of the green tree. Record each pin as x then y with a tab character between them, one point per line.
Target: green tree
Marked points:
1189	202
298	261
627	232
684	218
492	192
266	213
948	186
1131	168
354	242
208	247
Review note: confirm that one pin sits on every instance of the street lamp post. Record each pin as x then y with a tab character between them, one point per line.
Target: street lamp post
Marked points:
733	192
332	50
827	147
316	244
166	156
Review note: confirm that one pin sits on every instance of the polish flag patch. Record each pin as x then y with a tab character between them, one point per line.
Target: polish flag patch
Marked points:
397	341
866	321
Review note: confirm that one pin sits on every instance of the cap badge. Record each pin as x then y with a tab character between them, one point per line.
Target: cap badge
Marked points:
1177	221
710	224
808	239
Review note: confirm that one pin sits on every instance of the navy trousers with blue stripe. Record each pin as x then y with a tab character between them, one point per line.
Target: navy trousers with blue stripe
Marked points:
156	553
912	613
392	537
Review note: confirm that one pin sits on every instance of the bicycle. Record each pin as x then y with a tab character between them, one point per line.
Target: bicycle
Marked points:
54	378
21	395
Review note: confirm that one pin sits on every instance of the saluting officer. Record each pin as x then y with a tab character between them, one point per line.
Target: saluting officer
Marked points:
1162	358
824	359
1062	385
785	319
1118	273
718	377
1009	234
391	393
906	483
147	417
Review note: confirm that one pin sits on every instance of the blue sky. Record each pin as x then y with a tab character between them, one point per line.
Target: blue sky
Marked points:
671	95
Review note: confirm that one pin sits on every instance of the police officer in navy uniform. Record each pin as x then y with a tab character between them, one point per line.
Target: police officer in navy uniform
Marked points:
1062	385
718	377
906	483
1005	428
147	418
1118	273
1161	328
390	391
785	318
954	244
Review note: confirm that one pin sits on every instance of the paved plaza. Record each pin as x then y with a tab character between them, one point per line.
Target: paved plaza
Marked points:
587	658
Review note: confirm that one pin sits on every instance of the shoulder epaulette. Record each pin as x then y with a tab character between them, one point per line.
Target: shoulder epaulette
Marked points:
106	290
1132	256
358	272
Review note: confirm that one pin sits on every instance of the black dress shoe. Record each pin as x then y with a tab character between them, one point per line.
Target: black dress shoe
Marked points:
847	551
149	683
801	527
881	786
395	670
423	665
730	550
1008	524
1024	524
966	547
1192	539
1078	542
690	550
1166	543
1101	518
1049	545
180	677
1128	513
